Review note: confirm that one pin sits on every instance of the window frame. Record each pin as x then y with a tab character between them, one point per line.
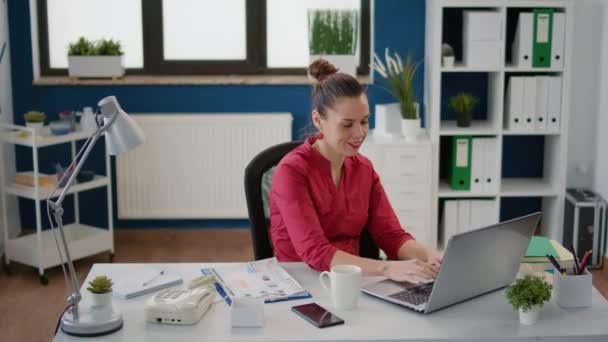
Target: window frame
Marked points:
254	64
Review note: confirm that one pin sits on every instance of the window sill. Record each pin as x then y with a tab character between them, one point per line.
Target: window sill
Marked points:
184	80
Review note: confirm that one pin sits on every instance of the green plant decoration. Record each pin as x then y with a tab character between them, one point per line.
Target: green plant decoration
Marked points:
400	78
333	32
103	47
109	47
463	104
34	116
82	47
529	291
101	284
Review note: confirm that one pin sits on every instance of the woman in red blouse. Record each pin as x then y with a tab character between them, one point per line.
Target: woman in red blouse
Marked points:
324	193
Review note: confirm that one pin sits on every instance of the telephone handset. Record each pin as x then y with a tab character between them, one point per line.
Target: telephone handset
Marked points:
182	306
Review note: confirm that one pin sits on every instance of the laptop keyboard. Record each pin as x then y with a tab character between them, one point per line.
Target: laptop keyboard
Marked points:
415	295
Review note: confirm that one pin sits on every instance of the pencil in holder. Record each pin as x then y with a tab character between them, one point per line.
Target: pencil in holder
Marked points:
572	290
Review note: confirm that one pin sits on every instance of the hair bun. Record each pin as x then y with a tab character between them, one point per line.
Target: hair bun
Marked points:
321	69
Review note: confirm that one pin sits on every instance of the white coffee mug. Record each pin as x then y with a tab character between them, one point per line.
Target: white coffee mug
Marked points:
343	282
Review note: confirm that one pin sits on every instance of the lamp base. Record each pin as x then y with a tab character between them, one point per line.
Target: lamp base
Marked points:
91	322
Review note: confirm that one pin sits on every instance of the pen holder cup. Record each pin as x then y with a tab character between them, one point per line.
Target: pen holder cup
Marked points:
572	291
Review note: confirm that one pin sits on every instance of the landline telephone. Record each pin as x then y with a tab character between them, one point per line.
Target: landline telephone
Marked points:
182	306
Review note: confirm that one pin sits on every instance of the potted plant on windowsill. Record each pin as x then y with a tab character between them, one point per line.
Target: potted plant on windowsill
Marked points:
463	104
34	119
333	35
95	59
101	291
528	294
400	78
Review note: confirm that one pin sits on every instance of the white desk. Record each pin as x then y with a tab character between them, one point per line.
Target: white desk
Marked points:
488	317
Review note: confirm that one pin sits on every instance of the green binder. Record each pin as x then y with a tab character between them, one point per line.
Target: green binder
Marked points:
541	42
460	164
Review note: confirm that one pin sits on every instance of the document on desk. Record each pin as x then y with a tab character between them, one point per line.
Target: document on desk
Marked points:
258	279
142	281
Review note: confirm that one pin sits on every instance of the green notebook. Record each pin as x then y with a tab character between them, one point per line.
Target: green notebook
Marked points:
538	249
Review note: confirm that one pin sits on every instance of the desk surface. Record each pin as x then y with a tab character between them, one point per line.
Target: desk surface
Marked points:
488	317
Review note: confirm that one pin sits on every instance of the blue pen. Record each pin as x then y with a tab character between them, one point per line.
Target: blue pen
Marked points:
554	262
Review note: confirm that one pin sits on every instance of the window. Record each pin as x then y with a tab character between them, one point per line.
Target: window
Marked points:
172	36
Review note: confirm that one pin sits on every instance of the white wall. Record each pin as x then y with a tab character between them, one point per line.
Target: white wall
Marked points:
600	183
585	92
7	153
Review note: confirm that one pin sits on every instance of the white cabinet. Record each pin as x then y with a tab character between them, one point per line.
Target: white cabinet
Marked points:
39	249
404	168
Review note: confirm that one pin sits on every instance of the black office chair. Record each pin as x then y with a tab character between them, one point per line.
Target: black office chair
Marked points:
260	223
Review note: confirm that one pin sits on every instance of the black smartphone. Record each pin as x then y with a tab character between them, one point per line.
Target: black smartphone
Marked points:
317	315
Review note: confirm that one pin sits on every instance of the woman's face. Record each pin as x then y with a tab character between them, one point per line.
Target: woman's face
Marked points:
346	124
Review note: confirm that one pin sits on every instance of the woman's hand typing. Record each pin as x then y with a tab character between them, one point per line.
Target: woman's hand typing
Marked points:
414	270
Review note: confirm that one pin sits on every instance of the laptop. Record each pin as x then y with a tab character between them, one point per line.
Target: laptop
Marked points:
474	263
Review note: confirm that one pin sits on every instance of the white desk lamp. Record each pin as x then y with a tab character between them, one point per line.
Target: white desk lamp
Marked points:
122	134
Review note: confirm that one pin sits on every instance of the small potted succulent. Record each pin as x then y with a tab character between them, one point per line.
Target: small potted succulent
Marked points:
102	58
34	119
528	294
463	104
333	35
101	291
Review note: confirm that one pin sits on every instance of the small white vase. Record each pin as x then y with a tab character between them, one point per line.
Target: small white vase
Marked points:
410	128
37	126
100	300
448	61
529	317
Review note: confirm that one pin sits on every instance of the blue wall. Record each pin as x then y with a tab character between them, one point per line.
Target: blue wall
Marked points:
398	25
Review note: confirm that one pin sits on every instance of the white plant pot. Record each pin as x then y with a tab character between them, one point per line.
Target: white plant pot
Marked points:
410	128
95	66
529	317
448	61
37	126
345	63
101	300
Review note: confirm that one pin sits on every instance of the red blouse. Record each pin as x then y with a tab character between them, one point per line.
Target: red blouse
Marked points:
311	218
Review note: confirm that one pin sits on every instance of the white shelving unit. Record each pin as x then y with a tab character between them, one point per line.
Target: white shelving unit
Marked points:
39	249
550	188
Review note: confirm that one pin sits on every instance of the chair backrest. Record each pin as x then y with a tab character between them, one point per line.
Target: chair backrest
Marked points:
260	224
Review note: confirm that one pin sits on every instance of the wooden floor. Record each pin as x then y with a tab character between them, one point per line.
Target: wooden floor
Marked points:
29	311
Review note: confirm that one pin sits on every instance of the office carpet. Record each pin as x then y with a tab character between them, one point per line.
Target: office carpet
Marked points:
29	311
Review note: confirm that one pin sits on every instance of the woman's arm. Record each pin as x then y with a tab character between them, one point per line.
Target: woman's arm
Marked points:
413	249
413	270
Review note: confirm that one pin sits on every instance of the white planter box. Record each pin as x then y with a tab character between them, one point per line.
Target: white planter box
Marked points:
345	63
95	66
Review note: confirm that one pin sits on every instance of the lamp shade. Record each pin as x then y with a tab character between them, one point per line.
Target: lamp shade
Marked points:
122	133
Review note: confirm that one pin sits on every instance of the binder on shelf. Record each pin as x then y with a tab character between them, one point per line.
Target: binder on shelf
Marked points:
450	220
542	97
541	45
514	103
483	213
464	216
481	41
529	105
491	167
554	104
558	36
460	167
477	165
521	52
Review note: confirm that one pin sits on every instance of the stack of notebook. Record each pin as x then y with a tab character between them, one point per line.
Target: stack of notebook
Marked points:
538	249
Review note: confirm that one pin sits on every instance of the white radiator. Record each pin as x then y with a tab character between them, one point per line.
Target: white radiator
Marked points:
193	165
